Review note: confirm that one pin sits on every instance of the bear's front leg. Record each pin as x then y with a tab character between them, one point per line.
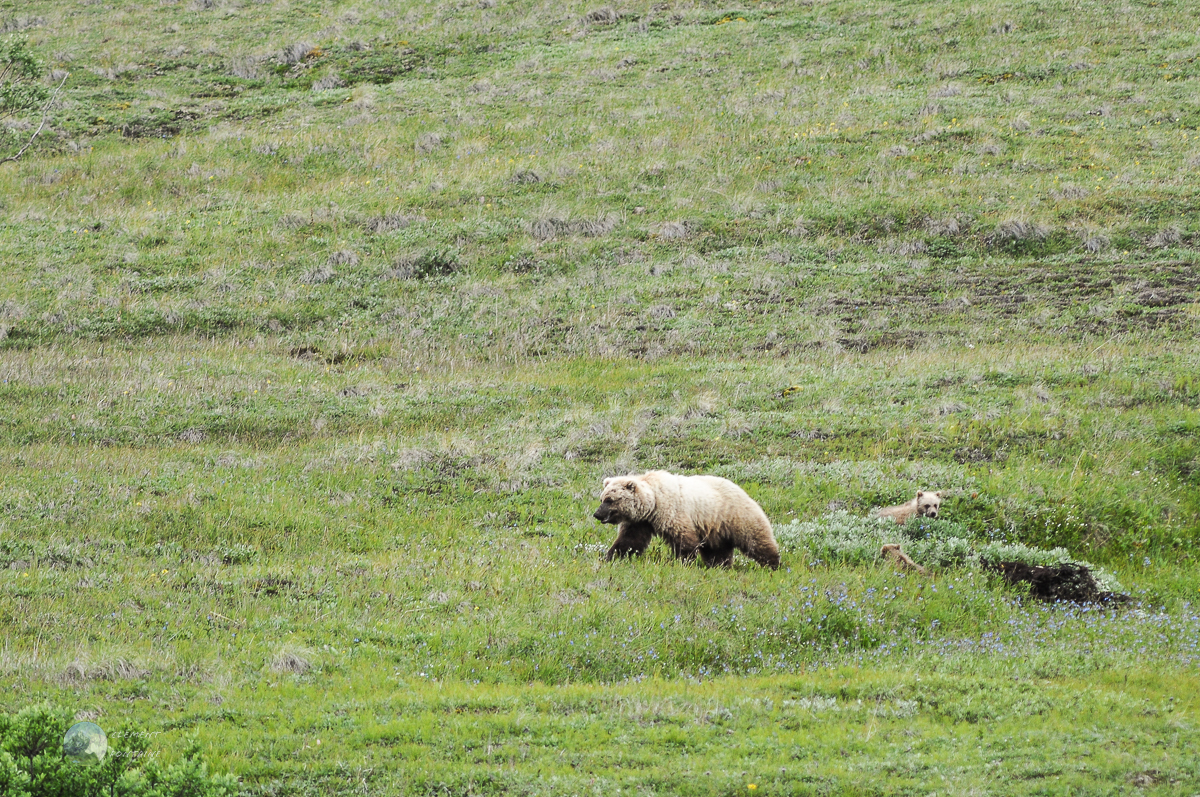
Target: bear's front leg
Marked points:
685	545
632	539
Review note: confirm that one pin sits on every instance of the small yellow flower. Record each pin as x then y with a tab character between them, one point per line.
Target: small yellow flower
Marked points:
752	787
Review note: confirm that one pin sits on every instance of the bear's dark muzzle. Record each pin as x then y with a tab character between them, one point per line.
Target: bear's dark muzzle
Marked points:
603	515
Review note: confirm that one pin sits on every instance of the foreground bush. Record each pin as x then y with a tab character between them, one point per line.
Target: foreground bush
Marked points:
843	538
32	763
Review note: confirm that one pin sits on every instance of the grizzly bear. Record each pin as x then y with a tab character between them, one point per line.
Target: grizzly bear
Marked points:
704	515
926	504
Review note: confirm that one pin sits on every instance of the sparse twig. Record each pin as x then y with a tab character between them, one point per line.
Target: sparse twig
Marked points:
45	116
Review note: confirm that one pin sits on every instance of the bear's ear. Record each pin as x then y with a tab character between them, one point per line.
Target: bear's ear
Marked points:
919	494
607	479
632	486
938	493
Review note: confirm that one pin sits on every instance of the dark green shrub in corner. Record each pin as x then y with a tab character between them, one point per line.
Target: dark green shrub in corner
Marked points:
32	763
20	74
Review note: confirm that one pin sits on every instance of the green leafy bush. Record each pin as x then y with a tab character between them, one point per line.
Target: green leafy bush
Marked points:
20	71
32	763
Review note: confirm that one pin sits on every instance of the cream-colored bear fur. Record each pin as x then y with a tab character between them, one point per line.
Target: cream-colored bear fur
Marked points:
926	504
704	515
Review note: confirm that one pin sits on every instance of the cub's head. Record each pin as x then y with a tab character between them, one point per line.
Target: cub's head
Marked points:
625	498
928	504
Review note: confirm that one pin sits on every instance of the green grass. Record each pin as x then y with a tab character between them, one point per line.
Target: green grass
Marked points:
321	323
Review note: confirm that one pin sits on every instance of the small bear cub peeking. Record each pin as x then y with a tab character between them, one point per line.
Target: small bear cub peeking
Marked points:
704	515
926	504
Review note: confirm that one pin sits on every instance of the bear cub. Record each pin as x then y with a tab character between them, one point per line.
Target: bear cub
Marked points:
695	515
926	504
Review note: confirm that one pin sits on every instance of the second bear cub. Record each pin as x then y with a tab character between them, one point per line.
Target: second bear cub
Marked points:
926	504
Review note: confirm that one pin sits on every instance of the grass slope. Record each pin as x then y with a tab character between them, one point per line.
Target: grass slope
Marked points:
320	323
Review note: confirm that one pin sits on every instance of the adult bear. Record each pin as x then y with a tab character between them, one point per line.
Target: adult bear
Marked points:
704	515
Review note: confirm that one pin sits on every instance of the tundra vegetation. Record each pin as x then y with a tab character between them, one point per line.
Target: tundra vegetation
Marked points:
321	322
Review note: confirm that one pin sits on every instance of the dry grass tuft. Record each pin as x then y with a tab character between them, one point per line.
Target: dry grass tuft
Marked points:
594	228
601	16
432	263
1166	237
387	223
952	408
21	23
331	81
291	221
1095	243
319	275
661	311
291	661
11	310
296	53
81	671
192	436
525	176
1069	191
344	257
246	67
1012	231
428	142
671	230
548	226
904	248
946	226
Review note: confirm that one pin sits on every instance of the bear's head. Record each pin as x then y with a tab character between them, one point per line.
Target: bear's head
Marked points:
625	498
928	504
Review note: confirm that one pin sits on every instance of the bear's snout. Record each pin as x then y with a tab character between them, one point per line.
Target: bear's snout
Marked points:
602	514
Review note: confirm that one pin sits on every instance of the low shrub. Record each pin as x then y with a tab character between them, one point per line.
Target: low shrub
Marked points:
842	538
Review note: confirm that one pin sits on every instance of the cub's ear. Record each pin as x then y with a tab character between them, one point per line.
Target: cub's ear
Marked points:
632	486
919	494
938	493
607	479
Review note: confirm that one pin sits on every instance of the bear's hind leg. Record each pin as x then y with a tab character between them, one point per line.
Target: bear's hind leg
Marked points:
717	556
632	540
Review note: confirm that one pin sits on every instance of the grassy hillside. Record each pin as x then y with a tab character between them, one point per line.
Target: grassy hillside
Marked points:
321	322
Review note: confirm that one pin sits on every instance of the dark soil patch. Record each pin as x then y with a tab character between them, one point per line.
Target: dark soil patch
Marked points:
271	585
882	340
1068	582
1158	284
965	456
812	434
306	352
1148	288
160	125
